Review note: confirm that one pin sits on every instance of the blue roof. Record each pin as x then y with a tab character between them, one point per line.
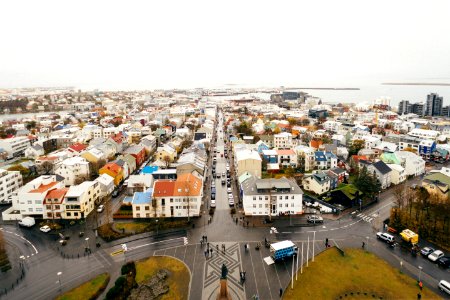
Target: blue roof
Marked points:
142	198
330	155
320	156
149	169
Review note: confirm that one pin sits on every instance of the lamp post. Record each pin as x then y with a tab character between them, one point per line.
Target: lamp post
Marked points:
420	272
59	279
87	243
157	226
367	243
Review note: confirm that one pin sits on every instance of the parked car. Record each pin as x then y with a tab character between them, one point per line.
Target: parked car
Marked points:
45	228
228	183
435	255
213	203
426	251
444	286
385	237
229	190
223	182
27	222
444	262
100	208
314	219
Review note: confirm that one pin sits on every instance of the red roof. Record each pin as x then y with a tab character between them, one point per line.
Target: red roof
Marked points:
118	138
43	187
56	194
357	158
164	188
78	147
112	166
286	152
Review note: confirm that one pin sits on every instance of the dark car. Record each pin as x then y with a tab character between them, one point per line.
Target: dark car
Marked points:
228	183
426	251
444	262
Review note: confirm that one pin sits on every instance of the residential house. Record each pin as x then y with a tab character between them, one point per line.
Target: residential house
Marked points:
306	158
34	151
54	204
287	158
106	184
204	133
139	183
318	183
325	160
142	205
261	146
76	149
114	170
247	161
138	152
426	148
437	185
80	200
166	151
380	170
74	170
346	195
177	198
93	155
149	143
271	197
130	161
268	140
339	173
123	164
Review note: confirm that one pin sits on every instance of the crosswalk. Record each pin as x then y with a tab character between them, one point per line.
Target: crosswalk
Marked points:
367	218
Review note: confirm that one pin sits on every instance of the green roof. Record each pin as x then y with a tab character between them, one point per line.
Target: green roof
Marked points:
439	177
349	190
390	158
244	177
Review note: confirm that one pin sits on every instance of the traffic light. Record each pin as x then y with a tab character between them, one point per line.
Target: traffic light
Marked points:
185	240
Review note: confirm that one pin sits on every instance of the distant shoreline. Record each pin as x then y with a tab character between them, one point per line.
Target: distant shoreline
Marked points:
322	88
416	83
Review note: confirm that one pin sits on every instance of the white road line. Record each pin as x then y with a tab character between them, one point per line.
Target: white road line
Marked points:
286	232
254	274
265	273
148	244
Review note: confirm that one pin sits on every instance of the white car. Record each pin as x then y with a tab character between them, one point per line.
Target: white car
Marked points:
229	190
100	208
435	255
45	228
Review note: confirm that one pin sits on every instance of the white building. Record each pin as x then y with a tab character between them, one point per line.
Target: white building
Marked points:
282	140
248	161
424	134
306	157
106	183
73	170
10	182
398	174
414	164
332	126
271	196
80	200
15	146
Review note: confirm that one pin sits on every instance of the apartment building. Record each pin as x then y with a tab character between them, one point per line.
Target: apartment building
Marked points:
282	140
10	182
15	146
80	200
271	196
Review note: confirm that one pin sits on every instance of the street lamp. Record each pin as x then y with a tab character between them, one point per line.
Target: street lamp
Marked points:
367	243
420	272
87	243
59	279
157	226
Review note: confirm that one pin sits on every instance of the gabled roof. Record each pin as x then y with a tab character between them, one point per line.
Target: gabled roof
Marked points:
78	147
337	170
113	167
56	194
382	167
142	198
286	152
320	156
163	188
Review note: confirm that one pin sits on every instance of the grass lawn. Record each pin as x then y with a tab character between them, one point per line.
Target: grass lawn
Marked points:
333	275
88	290
178	279
136	227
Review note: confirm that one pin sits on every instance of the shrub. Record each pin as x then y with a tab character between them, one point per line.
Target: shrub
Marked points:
128	267
233	211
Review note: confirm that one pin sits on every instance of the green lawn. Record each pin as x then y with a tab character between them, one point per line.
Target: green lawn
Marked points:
88	290
178	279
136	227
359	272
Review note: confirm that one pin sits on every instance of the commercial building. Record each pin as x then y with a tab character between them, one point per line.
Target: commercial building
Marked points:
15	146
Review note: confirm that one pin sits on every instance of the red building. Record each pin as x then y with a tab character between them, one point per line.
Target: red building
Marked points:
138	152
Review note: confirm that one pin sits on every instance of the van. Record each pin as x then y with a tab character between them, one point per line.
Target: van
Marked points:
27	222
444	286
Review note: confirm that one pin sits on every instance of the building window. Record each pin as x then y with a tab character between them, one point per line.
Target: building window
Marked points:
30	202
280	205
49	215
286	205
69	214
48	206
30	209
39	209
138	215
147	208
147	215
260	206
292	204
138	208
254	205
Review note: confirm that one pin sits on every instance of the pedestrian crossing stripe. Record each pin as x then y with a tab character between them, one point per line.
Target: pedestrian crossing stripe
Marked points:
117	252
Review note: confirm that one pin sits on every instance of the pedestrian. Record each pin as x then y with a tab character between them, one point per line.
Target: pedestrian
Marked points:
363	245
326	242
217	248
201	242
206	238
281	292
247	223
419	296
211	251
420	285
206	253
237	220
207	246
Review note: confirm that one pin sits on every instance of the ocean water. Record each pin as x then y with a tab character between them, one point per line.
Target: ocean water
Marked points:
394	93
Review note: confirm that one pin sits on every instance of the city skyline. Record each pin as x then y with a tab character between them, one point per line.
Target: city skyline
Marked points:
106	45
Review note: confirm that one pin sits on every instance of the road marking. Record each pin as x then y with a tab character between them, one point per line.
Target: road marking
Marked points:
287	232
265	273
148	244
253	269
35	250
117	252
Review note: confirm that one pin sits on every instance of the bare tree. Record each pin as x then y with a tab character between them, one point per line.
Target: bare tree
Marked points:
47	167
167	160
399	195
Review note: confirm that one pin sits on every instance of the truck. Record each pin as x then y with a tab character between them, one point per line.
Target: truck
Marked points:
27	222
282	250
409	236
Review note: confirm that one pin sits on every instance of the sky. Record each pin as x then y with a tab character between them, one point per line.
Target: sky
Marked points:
188	44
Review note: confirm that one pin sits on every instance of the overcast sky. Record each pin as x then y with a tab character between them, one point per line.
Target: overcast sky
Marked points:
168	44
